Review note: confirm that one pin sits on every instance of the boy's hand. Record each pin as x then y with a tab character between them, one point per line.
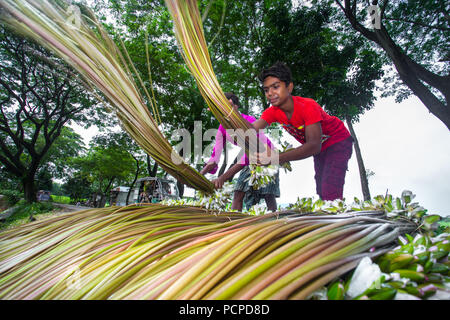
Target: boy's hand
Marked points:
219	182
265	158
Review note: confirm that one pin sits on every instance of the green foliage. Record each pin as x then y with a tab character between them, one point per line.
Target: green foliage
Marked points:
61	199
39	95
13	196
23	212
178	99
78	188
418	267
443	226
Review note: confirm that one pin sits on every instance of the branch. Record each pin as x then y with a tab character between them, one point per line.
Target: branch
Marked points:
355	24
11	162
420	24
10	167
383	8
340	5
10	91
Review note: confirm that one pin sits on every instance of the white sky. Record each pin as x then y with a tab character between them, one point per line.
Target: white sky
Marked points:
406	147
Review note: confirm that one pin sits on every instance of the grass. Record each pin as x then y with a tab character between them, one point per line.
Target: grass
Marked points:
39	210
61	199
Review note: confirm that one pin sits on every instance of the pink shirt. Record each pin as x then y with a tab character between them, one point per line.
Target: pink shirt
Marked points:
220	144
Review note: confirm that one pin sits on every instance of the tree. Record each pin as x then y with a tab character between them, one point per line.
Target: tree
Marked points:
357	94
179	102
414	35
107	162
57	159
39	95
122	141
77	188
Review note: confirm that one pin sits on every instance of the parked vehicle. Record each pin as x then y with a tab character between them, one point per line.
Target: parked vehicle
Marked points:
43	195
154	189
118	196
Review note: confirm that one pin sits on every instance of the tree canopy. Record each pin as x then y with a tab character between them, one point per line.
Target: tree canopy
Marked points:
414	36
39	95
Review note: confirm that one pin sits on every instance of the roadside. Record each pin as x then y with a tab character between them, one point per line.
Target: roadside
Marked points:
20	213
65	208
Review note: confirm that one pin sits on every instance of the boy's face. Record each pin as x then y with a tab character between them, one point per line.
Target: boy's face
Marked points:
276	91
236	107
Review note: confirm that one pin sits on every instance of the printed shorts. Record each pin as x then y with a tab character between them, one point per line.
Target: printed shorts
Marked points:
242	184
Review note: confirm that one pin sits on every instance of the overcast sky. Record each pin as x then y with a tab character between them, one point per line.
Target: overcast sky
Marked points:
402	143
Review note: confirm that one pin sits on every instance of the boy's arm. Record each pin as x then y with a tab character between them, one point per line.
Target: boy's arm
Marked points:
259	124
228	175
312	146
208	167
215	156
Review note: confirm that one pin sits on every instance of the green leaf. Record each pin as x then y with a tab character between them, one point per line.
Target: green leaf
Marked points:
336	291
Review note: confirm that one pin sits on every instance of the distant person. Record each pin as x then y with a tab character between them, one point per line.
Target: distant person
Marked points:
323	137
269	192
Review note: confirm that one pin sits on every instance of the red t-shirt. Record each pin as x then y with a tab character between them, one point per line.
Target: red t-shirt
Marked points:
306	112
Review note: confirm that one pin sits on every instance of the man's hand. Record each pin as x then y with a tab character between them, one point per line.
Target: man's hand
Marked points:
219	182
270	156
208	167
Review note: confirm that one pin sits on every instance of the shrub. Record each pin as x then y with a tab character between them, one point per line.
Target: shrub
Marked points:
13	196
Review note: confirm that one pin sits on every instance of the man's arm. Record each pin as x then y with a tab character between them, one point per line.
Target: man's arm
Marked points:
312	146
229	174
208	167
259	124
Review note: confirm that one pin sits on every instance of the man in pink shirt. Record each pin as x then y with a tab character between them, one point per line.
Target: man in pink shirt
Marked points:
242	188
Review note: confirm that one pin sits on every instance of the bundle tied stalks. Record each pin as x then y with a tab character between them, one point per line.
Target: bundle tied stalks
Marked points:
83	43
167	252
191	39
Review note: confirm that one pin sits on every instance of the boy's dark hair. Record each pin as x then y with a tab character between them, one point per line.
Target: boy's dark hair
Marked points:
232	96
278	70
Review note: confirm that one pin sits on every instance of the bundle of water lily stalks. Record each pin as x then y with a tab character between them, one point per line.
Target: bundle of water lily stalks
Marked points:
83	43
181	252
189	33
159	251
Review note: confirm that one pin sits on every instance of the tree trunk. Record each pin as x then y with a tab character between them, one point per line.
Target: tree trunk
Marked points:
149	166
134	181
105	192
180	187
413	74
154	170
362	169
29	189
94	199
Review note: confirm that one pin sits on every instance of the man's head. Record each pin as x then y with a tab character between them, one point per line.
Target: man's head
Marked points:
278	70
233	100
277	83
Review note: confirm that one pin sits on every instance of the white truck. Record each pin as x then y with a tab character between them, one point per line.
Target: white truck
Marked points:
145	190
154	189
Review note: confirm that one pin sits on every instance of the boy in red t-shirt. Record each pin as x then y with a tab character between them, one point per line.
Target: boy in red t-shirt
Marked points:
322	136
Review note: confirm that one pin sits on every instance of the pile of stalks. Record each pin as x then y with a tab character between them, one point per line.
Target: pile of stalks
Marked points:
181	252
